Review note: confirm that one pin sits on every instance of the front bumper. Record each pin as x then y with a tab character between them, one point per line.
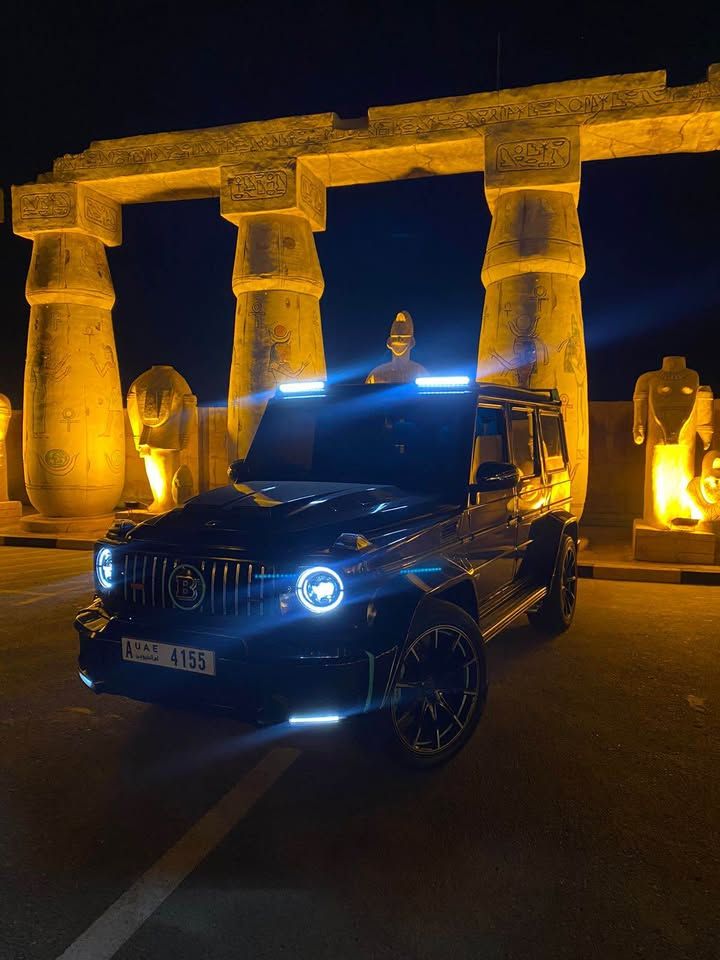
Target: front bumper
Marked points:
270	688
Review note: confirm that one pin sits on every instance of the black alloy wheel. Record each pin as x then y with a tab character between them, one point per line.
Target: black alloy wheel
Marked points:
439	690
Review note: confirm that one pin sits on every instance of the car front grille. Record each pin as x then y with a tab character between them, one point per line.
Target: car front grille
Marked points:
218	587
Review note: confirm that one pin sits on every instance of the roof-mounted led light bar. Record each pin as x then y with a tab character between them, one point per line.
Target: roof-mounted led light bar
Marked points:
439	382
302	386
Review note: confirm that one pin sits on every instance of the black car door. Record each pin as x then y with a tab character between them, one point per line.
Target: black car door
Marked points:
531	492
491	548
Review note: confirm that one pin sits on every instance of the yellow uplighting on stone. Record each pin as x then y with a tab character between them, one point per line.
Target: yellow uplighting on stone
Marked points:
162	411
271	178
74	442
278	337
9	509
671	409
532	328
400	369
704	491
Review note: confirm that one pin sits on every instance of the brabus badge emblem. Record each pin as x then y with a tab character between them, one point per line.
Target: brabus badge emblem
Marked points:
186	586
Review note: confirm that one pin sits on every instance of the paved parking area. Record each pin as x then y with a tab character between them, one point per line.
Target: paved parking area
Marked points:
581	821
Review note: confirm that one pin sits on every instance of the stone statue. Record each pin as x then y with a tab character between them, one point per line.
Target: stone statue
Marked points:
670	409
9	509
161	408
400	369
704	491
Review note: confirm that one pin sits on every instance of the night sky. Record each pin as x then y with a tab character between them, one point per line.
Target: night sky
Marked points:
650	225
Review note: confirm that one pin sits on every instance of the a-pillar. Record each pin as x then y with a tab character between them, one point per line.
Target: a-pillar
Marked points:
73	432
532	327
278	284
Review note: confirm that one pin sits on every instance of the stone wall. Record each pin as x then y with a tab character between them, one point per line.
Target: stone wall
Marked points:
616	465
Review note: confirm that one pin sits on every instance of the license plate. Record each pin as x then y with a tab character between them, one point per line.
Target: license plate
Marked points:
168	655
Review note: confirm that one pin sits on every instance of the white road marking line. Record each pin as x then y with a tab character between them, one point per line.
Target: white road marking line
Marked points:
112	929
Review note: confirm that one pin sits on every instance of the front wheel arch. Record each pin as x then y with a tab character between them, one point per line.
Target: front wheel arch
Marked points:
446	616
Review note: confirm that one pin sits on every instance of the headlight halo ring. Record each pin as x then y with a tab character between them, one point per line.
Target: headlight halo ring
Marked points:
103	568
303	586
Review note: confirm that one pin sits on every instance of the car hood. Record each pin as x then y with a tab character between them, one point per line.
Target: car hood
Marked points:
285	516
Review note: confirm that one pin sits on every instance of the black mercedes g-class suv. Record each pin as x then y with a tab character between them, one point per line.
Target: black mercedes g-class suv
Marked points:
371	543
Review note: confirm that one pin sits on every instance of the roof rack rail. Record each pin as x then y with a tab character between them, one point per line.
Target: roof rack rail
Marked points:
502	391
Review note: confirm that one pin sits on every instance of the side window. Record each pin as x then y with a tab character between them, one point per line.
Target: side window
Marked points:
490	440
524	446
552	444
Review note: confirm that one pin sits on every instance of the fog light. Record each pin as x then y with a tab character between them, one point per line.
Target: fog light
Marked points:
328	718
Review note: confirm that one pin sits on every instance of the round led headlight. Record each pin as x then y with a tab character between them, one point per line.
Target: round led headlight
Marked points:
319	589
104	568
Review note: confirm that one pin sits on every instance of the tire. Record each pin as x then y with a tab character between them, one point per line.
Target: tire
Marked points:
439	688
556	613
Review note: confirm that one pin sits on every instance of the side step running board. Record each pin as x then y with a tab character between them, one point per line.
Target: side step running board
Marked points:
512	612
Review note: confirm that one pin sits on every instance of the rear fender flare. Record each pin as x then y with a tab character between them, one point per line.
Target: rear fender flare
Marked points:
547	533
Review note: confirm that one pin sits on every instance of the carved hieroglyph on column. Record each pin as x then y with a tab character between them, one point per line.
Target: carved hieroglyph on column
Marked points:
532	326
278	284
73	435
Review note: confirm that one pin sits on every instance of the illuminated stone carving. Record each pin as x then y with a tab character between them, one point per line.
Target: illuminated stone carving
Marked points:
670	410
9	509
400	369
530	142
161	408
704	491
278	284
630	115
532	326
73	437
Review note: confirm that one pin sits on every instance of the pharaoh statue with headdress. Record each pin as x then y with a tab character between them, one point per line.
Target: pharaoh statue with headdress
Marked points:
400	369
161	407
671	409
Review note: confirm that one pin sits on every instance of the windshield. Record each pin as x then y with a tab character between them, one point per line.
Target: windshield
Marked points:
368	435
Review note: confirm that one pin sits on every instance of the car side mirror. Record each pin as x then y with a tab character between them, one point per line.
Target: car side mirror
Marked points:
238	471
493	475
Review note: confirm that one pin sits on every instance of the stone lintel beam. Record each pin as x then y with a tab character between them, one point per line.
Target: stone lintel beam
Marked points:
623	115
276	186
43	208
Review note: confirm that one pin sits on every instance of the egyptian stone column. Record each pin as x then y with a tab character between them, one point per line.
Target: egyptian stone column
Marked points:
532	326
73	437
278	284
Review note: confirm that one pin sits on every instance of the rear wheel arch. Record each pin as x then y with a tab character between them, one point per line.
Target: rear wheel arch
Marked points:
547	535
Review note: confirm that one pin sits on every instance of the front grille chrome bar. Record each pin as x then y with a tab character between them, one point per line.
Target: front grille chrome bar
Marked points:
232	587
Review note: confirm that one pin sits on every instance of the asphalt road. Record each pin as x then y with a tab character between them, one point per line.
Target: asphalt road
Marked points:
582	820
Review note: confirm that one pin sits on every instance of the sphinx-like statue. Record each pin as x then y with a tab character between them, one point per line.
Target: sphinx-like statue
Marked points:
9	509
704	491
161	407
670	410
400	369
